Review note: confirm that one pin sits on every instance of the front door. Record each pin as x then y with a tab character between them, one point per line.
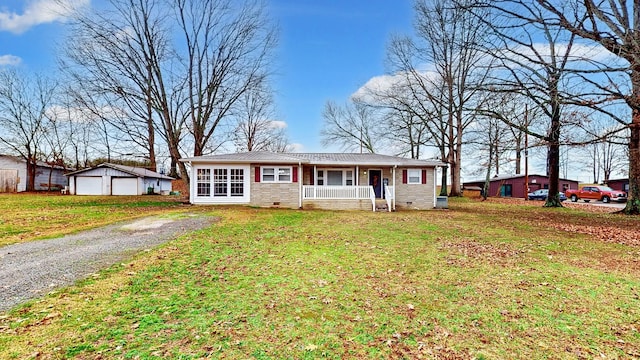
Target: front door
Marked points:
375	180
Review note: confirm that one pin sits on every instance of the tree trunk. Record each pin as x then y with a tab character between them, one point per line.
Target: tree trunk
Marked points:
518	151
487	179
455	171
31	175
633	202
553	157
455	179
444	189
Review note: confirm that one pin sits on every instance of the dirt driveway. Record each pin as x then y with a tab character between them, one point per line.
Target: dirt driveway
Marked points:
30	270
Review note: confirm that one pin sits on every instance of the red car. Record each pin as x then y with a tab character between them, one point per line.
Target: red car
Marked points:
596	192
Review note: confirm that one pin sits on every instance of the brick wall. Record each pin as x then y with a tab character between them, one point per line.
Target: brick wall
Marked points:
338	205
415	196
285	195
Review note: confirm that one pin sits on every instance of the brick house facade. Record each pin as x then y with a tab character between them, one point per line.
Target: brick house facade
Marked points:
314	181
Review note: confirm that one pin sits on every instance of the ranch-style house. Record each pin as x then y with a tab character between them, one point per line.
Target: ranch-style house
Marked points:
314	181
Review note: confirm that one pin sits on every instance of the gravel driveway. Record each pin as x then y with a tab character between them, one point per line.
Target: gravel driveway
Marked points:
30	270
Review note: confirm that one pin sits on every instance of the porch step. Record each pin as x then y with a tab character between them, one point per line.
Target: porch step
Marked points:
381	205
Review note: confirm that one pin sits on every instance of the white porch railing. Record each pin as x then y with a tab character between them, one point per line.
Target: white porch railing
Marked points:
390	196
311	192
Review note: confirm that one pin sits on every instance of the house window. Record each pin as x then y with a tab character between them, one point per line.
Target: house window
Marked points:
220	182
335	177
414	176
284	174
236	182
268	174
204	182
276	174
320	178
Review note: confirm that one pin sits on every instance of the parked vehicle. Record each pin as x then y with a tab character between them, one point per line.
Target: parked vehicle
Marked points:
596	192
541	194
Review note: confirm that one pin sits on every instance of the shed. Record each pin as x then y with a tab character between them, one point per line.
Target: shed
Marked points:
514	185
113	179
619	184
13	175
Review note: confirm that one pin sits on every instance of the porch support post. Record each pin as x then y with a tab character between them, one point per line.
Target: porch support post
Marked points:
192	183
435	178
393	182
300	182
357	179
315	181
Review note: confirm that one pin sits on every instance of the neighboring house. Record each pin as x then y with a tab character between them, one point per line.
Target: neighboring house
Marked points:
112	179
314	181
514	185
13	175
619	184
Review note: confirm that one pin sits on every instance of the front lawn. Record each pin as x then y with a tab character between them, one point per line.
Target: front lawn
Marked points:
482	280
27	217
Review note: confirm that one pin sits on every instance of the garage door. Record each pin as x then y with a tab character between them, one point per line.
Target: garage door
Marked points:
124	186
8	180
88	185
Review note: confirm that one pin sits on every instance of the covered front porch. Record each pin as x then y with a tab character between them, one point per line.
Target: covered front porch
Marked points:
355	188
347	197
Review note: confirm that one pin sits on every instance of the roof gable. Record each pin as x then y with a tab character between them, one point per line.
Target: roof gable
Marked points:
135	171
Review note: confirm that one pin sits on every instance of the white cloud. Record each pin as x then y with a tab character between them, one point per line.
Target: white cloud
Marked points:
296	147
9	60
81	115
374	89
277	124
38	12
579	52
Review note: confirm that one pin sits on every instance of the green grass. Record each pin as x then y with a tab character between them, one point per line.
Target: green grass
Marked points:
33	217
482	280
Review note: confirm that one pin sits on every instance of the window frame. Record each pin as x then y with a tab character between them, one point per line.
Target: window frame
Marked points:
409	176
276	174
235	179
203	182
324	178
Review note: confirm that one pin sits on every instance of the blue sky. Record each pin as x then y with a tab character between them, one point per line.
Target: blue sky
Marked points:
328	49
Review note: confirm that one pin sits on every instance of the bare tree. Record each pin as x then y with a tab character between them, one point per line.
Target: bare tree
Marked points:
408	133
448	40
537	70
614	26
115	56
23	114
606	150
352	126
171	68
254	130
228	54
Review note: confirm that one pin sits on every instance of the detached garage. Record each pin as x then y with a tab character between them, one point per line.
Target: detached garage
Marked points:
113	179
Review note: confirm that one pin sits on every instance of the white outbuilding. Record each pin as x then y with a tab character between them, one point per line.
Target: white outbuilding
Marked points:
113	179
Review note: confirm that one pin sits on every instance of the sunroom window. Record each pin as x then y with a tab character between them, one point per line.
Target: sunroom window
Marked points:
203	182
